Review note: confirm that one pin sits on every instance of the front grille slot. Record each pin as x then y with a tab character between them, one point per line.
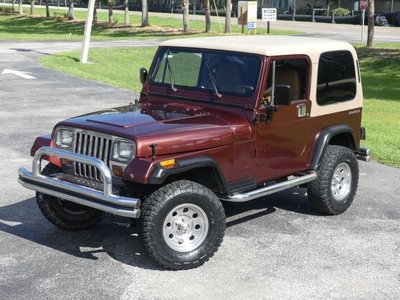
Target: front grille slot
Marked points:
90	144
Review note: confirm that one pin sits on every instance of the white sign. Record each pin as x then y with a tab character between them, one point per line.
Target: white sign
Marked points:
268	14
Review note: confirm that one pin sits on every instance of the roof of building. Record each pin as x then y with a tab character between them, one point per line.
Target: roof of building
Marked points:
264	45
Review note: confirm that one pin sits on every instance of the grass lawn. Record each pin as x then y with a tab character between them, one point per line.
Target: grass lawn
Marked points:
379	68
55	28
380	71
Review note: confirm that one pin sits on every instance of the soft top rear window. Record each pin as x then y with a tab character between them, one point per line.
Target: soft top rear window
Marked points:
336	77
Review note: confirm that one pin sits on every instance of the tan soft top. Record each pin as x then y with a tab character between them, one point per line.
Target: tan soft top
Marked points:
264	45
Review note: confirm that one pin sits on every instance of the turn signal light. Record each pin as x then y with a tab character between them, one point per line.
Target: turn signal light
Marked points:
66	162
167	164
117	171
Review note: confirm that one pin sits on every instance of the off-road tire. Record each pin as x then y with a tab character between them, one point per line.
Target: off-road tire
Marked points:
165	207
325	193
65	214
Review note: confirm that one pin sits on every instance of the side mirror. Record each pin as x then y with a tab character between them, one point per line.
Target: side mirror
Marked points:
143	75
283	94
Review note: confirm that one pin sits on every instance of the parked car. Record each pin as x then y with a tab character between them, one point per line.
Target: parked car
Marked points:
219	119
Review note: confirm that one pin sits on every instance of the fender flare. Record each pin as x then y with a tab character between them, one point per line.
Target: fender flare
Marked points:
324	137
159	174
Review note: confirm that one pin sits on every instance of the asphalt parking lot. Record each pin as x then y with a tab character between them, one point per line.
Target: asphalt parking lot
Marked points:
274	248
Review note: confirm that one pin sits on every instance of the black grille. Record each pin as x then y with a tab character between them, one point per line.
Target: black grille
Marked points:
90	144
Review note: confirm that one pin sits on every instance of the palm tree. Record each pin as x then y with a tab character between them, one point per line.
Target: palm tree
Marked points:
371	23
95	13
32	11
126	19
145	13
185	10
228	16
110	11
47	9
70	13
21	8
207	13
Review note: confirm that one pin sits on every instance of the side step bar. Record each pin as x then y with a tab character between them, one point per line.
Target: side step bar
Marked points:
267	190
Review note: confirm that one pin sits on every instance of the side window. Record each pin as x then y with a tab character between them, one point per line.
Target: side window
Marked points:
292	73
336	78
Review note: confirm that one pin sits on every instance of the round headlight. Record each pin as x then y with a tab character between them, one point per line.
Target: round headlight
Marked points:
124	150
64	138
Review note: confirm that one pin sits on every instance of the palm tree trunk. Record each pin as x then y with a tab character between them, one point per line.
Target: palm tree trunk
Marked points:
185	10
145	13
207	13
32	10
21	8
95	14
228	22
126	19
371	23
47	9
70	13
110	12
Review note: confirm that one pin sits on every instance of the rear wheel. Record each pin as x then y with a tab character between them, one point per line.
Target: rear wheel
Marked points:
65	214
335	187
183	224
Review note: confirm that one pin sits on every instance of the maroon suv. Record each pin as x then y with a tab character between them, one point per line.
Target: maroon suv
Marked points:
223	118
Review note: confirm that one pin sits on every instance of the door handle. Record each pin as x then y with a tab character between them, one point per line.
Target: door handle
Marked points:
301	110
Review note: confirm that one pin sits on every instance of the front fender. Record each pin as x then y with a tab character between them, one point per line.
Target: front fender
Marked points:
45	140
151	172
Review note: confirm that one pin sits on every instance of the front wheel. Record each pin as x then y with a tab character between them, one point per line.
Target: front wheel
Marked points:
335	187
183	224
65	214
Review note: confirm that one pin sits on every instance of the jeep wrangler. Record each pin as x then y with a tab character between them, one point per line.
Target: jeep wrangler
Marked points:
230	118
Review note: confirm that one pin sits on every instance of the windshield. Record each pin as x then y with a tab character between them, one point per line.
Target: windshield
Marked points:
220	73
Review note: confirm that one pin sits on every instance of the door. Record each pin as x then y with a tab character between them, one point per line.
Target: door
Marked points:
281	139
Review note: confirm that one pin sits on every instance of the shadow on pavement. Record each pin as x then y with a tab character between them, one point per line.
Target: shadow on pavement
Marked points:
294	200
118	237
113	236
29	50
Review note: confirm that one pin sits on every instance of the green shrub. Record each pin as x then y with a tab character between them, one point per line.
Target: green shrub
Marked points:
341	12
61	16
6	10
304	10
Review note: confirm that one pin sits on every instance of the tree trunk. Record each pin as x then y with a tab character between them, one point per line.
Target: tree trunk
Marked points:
228	16
21	8
95	14
13	6
110	12
371	23
145	13
185	11
70	13
47	9
32	10
207	13
126	19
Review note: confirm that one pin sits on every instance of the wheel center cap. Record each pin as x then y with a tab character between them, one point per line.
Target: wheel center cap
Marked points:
181	225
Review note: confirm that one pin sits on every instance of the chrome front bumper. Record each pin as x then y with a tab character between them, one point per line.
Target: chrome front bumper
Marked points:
102	200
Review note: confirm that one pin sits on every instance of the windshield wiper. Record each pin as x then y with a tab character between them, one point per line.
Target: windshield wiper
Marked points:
213	79
171	74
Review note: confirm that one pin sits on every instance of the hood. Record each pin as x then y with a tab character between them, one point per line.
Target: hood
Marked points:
173	127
